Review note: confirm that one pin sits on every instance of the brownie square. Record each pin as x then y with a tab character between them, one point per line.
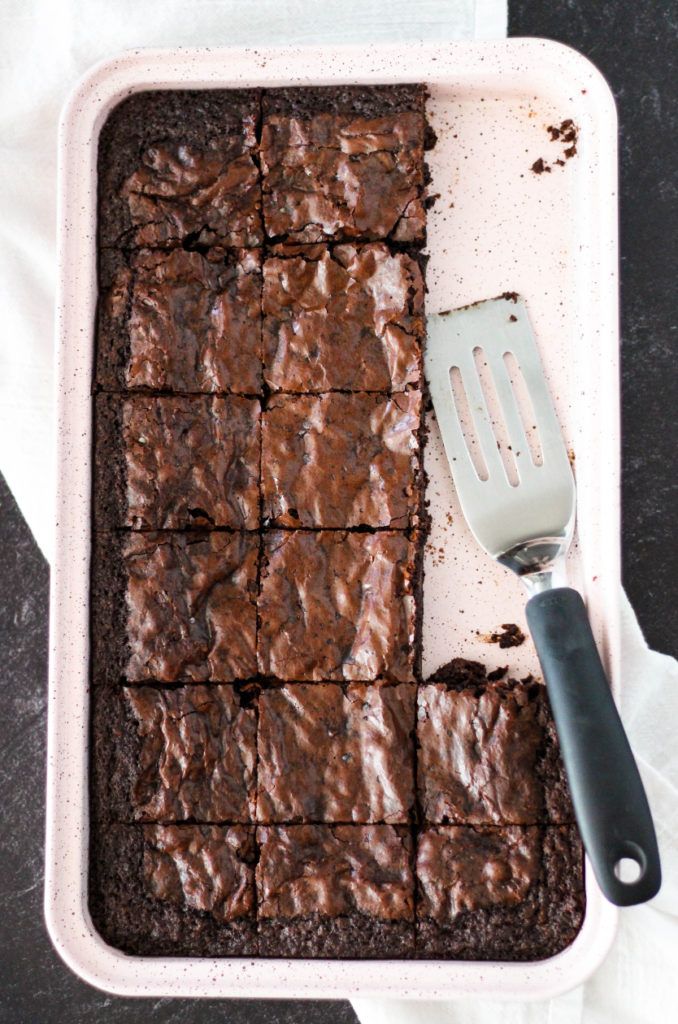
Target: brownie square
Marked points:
335	891
513	893
346	319
339	460
344	163
175	890
180	321
329	753
488	754
165	755
172	462
173	607
337	605
179	167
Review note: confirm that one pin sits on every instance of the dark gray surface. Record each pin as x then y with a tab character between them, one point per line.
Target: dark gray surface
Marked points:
635	45
632	44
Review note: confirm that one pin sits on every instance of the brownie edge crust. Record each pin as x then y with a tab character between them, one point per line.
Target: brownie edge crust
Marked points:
510	893
174	890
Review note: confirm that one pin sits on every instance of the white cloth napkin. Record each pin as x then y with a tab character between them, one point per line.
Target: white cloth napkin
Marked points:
638	982
45	45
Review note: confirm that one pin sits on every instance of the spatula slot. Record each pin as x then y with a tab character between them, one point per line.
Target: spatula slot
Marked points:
505	443
463	409
525	408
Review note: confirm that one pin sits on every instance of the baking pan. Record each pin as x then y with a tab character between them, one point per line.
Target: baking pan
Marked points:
515	213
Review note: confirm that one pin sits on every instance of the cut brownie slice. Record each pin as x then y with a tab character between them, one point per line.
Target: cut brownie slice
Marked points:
341	460
180	321
164	755
179	167
334	754
337	605
350	319
344	163
341	891
488	754
174	607
498	894
175	890
176	461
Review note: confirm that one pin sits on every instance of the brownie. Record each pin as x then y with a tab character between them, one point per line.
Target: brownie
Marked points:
165	755
169	462
488	754
180	167
340	460
337	605
174	890
344	163
174	607
335	891
350	318
514	893
329	753
180	321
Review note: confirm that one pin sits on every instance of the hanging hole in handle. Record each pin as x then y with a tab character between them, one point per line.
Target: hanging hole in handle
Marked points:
628	870
630	865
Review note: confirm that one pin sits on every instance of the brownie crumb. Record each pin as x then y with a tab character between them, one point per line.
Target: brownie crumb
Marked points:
566	133
511	636
539	167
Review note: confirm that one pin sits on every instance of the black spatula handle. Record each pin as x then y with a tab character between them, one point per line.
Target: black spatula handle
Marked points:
608	796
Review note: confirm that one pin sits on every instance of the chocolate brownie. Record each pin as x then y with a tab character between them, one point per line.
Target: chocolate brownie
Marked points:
337	891
329	753
349	319
260	778
341	460
488	754
164	462
174	890
510	893
165	755
180	167
180	321
344	163
173	607
337	605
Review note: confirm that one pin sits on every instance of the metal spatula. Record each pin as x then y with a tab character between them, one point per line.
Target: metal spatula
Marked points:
516	489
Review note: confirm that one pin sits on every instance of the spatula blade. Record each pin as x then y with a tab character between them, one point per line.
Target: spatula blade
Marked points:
537	498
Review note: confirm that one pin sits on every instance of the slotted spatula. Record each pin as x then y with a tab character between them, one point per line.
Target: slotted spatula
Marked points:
519	501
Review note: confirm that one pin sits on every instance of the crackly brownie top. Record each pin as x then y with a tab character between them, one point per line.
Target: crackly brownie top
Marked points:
350	319
328	753
178	167
196	754
337	605
201	867
180	461
345	164
181	321
339	460
479	753
190	606
460	868
335	871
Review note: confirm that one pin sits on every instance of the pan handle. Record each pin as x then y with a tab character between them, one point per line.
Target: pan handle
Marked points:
607	792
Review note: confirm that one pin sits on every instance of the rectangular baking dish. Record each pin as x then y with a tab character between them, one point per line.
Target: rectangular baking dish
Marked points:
496	226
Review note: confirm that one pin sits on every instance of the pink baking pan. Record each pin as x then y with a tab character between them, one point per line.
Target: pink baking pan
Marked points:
497	226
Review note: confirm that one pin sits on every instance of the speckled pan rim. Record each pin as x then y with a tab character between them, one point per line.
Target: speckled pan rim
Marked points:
510	64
